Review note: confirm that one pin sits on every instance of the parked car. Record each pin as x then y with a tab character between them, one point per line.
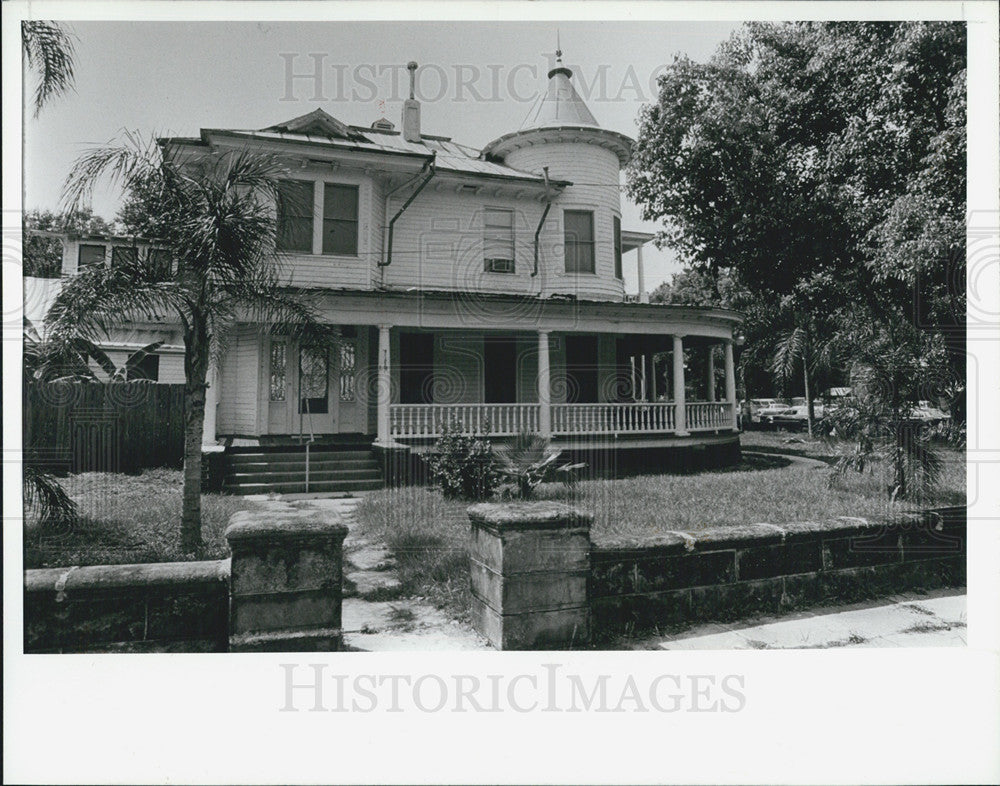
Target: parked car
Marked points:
796	417
767	410
757	405
929	414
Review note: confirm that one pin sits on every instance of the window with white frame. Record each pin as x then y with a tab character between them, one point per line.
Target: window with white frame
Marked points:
498	240
578	238
299	212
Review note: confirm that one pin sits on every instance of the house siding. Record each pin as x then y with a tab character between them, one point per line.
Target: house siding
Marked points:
239	383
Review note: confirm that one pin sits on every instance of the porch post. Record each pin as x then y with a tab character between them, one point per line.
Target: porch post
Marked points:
680	417
710	379
384	385
731	383
544	386
640	270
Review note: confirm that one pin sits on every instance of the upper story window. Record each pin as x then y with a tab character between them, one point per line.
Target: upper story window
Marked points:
124	255
295	216
299	211
498	240
618	247
578	231
90	255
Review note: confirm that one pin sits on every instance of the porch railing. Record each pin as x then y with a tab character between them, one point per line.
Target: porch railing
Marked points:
708	415
627	418
429	420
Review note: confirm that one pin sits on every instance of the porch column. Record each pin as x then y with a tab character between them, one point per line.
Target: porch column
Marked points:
731	383
641	271
544	386
384	386
710	378
680	418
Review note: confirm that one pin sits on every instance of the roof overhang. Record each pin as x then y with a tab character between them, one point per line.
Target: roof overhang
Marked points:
347	154
631	239
617	143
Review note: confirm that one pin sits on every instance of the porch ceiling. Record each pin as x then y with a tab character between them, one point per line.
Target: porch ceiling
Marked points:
480	311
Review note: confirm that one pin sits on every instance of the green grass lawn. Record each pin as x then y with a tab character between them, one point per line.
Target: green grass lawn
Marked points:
429	534
128	518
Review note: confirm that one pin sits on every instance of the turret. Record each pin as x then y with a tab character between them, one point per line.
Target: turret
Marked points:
561	133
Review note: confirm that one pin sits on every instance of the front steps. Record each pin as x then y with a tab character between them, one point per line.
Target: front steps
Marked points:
333	469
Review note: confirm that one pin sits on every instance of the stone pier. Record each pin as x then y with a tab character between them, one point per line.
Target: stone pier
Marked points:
529	565
285	582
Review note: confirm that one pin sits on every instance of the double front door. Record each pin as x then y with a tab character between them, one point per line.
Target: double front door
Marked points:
312	389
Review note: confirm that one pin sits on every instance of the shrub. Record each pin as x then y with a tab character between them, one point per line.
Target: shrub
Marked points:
463	465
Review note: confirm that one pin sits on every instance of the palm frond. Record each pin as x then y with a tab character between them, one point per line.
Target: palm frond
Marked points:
790	348
45	497
48	50
91	303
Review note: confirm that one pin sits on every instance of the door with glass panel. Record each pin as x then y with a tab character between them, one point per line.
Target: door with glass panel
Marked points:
301	397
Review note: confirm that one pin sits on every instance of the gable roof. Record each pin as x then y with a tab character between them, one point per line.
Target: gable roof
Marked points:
319	123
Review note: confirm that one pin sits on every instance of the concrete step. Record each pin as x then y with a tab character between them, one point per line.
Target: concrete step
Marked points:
282	475
298	455
299	487
296	466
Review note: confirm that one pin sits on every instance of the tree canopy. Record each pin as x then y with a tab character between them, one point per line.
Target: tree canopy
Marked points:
821	166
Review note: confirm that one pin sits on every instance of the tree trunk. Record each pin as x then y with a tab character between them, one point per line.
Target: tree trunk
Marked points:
809	399
196	372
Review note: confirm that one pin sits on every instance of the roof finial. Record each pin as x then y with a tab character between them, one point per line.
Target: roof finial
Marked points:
558	48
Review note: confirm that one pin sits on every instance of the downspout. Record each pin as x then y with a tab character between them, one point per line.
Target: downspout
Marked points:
545	213
429	167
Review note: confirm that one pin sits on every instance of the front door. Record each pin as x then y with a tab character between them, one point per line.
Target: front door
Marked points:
301	396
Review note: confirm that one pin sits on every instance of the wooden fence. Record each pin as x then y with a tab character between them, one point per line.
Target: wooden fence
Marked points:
95	427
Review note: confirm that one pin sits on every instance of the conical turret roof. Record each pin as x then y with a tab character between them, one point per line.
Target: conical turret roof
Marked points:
560	104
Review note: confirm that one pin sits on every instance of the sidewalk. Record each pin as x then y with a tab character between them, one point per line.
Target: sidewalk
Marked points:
934	619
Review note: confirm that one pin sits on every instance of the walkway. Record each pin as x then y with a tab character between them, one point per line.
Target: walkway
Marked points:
375	617
934	619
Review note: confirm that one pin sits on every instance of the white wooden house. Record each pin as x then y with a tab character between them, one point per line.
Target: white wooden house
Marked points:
478	286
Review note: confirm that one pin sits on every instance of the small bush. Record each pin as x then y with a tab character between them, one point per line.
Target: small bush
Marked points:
463	465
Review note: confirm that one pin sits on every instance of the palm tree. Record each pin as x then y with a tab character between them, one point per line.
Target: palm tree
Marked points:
217	218
48	50
795	347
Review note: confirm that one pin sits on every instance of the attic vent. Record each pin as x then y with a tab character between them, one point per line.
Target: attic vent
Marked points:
383	124
467	189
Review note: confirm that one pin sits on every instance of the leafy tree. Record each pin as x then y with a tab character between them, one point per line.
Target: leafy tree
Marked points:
822	164
48	51
217	218
43	255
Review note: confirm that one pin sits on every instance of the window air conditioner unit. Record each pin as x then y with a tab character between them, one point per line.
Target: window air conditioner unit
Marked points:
499	265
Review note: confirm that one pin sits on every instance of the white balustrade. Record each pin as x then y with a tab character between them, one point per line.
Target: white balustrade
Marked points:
627	418
709	416
429	420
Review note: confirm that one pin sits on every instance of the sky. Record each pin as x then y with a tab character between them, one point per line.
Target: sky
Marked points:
477	81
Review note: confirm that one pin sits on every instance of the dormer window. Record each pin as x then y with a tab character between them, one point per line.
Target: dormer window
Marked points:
498	240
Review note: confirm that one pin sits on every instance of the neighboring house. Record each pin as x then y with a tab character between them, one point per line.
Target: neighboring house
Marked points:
478	286
167	363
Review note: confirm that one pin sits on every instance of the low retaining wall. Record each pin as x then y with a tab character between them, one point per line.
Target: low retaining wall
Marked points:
280	592
157	607
726	573
682	577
